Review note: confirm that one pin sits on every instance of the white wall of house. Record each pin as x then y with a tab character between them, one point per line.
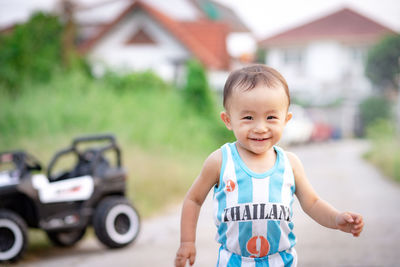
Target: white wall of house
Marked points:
324	70
113	52
321	72
239	43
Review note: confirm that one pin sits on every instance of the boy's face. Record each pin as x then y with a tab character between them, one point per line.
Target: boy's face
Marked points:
257	117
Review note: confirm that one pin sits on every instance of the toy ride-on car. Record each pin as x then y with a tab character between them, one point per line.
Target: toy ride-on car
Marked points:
64	203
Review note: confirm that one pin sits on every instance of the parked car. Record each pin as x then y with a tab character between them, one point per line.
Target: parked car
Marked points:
299	129
323	132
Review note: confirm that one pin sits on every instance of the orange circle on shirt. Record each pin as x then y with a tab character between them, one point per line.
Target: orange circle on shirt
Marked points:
230	186
258	246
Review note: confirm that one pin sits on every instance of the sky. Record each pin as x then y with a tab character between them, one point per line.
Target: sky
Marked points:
263	17
268	17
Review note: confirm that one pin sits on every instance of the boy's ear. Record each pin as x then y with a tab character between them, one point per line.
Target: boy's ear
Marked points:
289	117
225	118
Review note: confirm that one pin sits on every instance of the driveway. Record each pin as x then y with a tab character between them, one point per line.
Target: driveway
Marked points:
339	175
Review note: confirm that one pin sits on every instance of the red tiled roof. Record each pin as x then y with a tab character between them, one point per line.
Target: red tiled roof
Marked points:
211	35
345	25
192	35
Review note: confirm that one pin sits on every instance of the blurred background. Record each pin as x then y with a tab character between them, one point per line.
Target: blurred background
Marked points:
152	73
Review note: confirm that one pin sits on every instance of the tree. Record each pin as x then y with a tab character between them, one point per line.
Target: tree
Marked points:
30	52
382	66
373	109
69	33
197	91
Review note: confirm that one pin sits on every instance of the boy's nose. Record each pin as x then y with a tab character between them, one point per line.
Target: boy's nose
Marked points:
260	127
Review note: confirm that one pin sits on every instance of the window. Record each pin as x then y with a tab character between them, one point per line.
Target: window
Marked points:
358	54
140	37
293	56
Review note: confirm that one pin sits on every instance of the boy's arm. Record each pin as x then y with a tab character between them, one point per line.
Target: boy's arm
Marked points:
195	197
320	210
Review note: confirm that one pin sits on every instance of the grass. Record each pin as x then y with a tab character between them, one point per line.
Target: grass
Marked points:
75	105
385	148
163	140
157	179
386	156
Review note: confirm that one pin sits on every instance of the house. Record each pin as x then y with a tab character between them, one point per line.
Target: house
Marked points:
162	36
324	61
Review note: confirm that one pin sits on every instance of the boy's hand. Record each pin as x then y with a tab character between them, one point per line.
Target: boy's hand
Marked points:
350	223
187	251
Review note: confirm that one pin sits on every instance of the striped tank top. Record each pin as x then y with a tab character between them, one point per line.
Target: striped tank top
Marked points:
253	212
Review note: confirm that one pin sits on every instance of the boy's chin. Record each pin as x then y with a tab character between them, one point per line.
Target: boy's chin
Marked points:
258	149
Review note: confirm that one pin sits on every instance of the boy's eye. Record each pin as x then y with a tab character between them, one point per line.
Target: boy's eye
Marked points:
247	118
271	117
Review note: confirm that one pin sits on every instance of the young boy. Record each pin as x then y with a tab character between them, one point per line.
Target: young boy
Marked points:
254	181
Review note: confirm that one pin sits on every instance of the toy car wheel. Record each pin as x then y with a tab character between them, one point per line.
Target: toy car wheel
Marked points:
116	222
66	238
13	236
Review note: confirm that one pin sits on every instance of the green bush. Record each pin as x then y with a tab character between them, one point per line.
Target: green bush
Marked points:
72	103
374	108
163	141
196	91
381	130
31	52
164	134
382	65
385	147
146	80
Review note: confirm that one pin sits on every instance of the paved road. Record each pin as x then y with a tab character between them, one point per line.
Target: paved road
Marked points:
338	174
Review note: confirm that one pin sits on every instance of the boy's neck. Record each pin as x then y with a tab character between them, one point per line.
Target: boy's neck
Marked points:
258	163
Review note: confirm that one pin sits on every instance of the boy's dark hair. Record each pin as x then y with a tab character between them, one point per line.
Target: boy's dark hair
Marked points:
249	77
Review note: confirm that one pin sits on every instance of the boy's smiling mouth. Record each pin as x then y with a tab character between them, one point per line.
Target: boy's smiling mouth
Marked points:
259	139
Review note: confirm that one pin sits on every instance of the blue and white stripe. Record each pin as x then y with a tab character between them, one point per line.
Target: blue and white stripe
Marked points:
275	186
